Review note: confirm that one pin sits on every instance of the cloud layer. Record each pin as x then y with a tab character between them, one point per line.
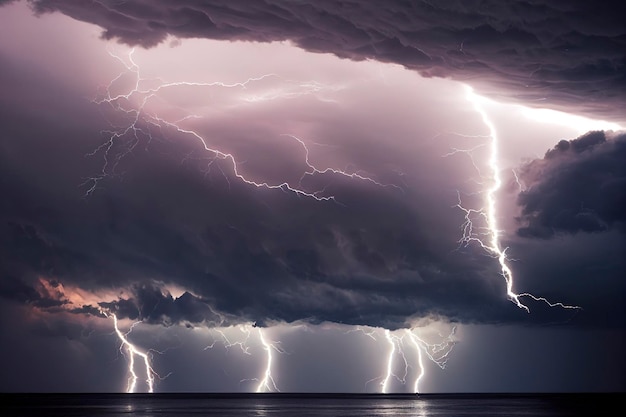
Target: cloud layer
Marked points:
566	56
169	212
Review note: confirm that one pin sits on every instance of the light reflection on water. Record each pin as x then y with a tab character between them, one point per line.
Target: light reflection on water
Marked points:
110	405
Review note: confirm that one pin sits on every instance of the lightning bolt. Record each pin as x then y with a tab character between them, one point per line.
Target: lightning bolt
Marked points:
491	243
121	141
243	345
132	352
267	383
139	125
420	361
398	364
392	350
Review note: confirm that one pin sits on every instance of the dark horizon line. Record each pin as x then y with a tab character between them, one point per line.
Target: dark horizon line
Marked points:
330	395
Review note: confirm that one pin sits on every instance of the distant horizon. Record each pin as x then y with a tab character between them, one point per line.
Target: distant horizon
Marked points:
317	394
177	405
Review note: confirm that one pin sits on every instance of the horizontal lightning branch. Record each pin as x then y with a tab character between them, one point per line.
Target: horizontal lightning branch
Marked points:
140	124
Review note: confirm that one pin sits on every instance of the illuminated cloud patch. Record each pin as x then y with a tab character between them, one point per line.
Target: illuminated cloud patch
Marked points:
568	56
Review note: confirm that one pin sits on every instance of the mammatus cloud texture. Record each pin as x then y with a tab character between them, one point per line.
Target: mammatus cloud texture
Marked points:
568	55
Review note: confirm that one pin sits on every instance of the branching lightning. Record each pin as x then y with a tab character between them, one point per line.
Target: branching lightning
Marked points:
243	345
489	238
398	364
121	141
436	352
392	350
492	245
131	352
267	383
420	360
140	125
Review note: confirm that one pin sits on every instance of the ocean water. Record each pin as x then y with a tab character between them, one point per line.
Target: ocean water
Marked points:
301	405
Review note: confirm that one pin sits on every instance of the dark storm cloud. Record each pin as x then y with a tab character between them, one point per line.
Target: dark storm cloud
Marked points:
172	238
376	256
568	55
579	186
152	304
243	254
573	223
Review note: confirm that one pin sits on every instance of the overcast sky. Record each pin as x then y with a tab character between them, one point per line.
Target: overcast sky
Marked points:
230	174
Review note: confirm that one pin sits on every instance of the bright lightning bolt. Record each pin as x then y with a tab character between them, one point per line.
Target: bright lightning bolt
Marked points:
420	361
392	350
267	383
132	352
436	352
492	243
398	364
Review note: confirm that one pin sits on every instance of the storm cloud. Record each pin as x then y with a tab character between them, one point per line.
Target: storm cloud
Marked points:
379	246
369	256
563	55
579	186
220	183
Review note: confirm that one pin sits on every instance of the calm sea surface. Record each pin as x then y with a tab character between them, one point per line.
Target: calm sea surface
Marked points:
301	405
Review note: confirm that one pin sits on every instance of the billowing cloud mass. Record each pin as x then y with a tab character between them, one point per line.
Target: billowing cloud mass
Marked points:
245	205
579	186
381	251
193	165
567	54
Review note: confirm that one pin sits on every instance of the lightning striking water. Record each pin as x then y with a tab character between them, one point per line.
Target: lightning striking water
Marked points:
139	126
267	383
140	123
420	361
132	352
384	384
491	244
399	366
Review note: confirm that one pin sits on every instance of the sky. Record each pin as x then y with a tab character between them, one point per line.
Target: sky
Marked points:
312	196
